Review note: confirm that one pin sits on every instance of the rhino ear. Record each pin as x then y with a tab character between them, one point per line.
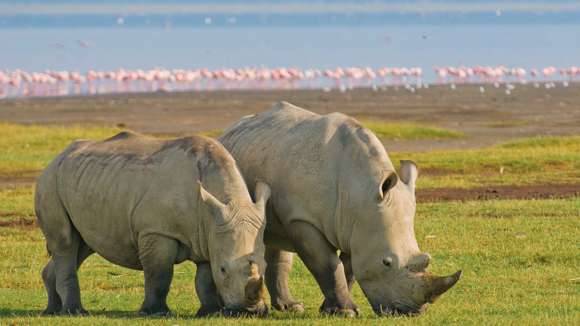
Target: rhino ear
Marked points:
388	183
217	208
262	194
409	173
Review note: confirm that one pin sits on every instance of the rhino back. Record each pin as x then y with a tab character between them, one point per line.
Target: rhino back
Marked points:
304	156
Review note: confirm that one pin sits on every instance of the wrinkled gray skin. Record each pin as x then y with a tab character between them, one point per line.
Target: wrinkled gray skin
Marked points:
334	188
139	202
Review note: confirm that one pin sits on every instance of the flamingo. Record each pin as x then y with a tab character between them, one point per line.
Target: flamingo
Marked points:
18	82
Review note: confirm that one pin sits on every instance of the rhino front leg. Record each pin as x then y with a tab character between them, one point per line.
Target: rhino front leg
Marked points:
349	275
206	291
279	264
321	259
157	255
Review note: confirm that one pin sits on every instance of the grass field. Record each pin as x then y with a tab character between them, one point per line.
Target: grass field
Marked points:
28	149
539	160
520	262
520	257
543	160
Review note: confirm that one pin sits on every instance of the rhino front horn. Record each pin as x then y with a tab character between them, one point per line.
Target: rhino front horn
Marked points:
255	290
440	285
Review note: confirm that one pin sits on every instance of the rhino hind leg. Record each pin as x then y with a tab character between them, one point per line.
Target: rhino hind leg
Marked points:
55	305
49	278
279	264
206	291
64	272
62	242
321	259
157	254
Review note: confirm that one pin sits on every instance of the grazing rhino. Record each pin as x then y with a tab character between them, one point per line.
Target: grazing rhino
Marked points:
139	202
335	188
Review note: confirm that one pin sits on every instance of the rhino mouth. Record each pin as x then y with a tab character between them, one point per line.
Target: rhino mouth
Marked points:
399	309
258	310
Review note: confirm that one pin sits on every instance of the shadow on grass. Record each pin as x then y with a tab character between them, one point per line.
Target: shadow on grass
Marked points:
126	314
5	312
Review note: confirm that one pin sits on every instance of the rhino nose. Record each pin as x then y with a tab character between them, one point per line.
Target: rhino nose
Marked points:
420	262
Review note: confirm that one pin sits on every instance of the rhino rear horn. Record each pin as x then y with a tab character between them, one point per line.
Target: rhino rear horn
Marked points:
440	285
262	194
218	209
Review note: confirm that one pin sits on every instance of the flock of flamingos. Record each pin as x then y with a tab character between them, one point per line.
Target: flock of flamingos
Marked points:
19	83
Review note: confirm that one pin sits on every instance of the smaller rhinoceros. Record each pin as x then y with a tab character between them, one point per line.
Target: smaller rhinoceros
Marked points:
139	202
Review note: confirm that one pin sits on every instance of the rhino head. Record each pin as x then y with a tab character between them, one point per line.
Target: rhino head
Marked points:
236	250
386	259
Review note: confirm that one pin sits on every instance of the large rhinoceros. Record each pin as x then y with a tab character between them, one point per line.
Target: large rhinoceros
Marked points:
139	202
335	188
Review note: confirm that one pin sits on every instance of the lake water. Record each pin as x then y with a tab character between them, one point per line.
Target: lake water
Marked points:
83	48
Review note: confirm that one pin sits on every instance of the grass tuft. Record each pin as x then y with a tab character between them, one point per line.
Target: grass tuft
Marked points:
565	143
212	133
507	123
409	131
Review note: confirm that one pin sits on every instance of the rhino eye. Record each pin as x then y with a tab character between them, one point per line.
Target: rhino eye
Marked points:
388	262
223	269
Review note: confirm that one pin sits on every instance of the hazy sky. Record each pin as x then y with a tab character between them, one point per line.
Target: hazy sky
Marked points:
240	7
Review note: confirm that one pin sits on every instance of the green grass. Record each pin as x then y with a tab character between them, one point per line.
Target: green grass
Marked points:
212	133
409	131
392	131
538	160
28	149
507	123
520	259
16	203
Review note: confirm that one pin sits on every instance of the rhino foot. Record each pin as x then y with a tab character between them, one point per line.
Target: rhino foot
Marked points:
207	311
155	312
76	311
289	306
349	310
51	311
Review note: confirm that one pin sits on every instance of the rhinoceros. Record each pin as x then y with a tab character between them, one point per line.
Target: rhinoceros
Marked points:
142	203
334	189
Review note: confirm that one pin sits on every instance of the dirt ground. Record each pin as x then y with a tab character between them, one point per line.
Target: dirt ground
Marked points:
486	118
551	191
